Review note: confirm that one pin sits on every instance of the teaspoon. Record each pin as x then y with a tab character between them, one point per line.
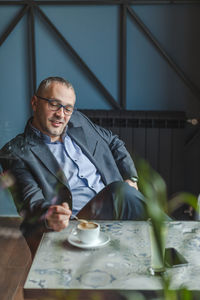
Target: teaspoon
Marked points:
80	220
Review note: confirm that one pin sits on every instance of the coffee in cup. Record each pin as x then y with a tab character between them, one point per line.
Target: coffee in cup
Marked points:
88	233
88	225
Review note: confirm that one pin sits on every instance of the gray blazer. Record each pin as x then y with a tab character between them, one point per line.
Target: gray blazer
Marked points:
40	182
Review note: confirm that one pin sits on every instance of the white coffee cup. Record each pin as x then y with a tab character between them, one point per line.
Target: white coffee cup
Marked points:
88	233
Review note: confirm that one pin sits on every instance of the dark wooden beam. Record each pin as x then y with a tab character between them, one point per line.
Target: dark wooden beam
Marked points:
33	54
12	25
101	2
122	49
117	2
187	81
81	63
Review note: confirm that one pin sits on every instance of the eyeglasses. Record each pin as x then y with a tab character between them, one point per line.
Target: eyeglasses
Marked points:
55	106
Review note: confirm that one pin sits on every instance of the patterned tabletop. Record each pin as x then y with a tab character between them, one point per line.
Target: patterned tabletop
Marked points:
123	263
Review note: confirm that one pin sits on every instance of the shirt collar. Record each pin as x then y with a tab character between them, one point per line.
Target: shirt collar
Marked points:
46	138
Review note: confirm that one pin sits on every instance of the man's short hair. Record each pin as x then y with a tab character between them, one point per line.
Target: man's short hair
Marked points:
46	82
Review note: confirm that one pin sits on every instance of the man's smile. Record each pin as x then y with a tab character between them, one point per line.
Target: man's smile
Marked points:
56	123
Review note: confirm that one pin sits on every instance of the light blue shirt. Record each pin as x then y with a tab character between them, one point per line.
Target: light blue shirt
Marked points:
83	177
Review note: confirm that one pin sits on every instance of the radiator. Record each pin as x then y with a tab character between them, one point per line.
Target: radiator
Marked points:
158	137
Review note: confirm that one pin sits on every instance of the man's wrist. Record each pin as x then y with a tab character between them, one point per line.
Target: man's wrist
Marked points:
133	179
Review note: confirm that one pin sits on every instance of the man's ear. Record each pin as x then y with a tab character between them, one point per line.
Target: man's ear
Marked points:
34	103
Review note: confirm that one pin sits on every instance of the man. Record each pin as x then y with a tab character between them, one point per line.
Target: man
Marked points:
64	165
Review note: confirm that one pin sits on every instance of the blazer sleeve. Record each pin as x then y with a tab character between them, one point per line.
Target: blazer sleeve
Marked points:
26	193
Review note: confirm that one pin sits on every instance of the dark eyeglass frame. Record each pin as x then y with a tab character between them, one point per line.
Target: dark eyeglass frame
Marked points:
68	109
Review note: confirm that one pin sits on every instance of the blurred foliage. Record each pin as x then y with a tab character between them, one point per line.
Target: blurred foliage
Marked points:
6	180
153	187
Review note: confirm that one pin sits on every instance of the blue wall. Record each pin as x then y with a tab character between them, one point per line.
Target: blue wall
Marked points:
93	31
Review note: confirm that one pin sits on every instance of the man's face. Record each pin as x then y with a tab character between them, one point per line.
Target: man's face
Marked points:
51	122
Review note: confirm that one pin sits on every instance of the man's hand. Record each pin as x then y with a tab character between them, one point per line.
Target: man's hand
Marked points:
131	183
57	216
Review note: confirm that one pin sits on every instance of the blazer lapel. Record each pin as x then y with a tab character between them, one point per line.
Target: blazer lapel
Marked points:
78	135
43	153
87	146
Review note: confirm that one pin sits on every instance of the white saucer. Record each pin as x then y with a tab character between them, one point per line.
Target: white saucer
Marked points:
102	241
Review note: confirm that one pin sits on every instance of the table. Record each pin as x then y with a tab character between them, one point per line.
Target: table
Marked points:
121	265
15	259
